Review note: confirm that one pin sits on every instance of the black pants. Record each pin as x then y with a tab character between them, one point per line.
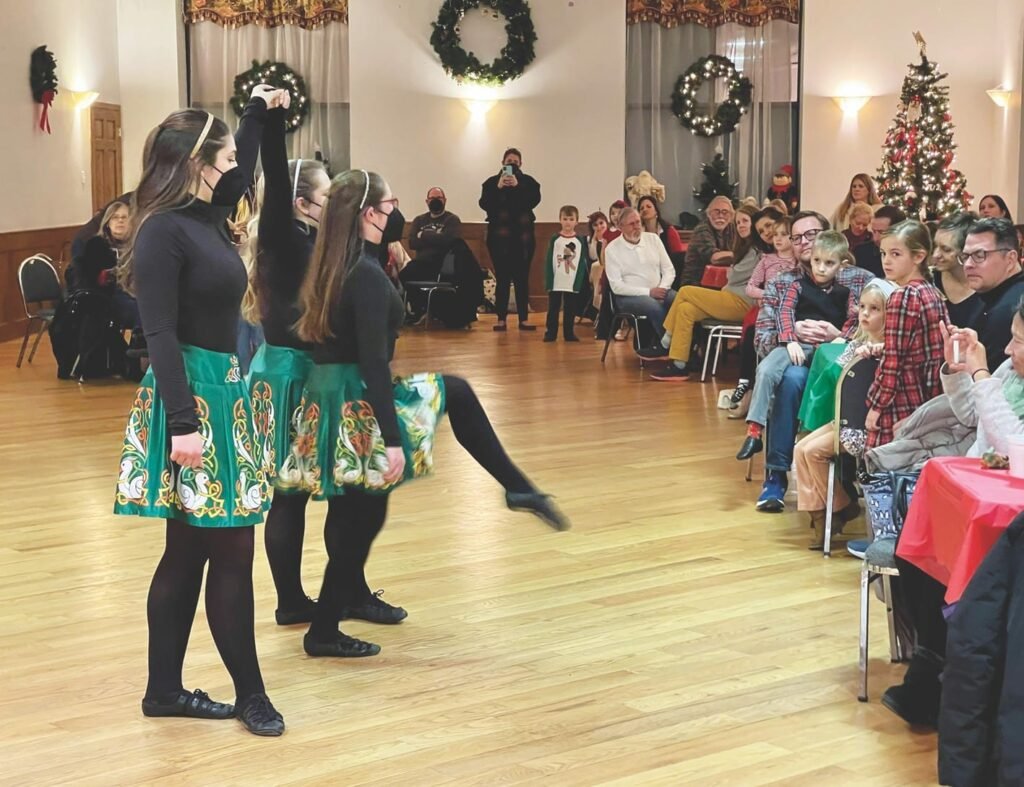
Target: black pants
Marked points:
565	301
748	355
921	599
511	258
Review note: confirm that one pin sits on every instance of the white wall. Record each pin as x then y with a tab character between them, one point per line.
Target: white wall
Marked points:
410	124
151	55
47	179
864	49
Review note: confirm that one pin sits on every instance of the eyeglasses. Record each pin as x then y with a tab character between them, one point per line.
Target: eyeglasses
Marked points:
978	257
392	201
807	237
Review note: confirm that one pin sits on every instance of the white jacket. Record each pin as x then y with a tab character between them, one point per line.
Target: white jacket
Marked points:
637	268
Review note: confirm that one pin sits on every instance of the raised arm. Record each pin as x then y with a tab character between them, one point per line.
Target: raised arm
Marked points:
276	214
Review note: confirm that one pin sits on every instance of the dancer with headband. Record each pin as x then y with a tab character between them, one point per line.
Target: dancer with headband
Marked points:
358	433
189	453
294	194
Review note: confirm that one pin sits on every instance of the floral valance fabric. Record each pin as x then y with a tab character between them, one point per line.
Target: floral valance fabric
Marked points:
711	13
267	13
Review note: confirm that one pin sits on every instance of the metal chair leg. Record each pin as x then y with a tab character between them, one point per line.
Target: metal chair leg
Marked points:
612	328
718	352
35	344
829	506
707	355
865	580
750	469
24	342
894	654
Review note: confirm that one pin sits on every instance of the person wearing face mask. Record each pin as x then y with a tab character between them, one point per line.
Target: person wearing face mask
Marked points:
293	200
190	455
509	199
437	228
359	433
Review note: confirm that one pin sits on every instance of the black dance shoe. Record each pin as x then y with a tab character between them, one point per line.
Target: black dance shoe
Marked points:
538	504
260	717
375	610
301	614
751	446
193	704
342	646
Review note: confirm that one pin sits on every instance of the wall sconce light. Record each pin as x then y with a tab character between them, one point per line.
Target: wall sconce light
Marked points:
478	107
84	99
851	105
1001	98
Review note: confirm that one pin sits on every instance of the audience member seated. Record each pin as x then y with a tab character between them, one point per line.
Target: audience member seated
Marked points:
814	296
640	272
610	234
859	230
92	228
991	263
650	215
861	192
868	255
694	304
712	241
814	451
597	223
992	206
782	430
978	413
431	237
962	302
95	268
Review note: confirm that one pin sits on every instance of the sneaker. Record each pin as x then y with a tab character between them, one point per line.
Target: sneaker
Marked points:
375	610
857	548
260	717
656	353
773	494
671	374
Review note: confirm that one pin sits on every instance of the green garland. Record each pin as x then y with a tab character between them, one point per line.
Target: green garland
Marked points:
464	66
276	75
728	113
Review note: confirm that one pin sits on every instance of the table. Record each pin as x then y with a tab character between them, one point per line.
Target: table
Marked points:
958	512
818	407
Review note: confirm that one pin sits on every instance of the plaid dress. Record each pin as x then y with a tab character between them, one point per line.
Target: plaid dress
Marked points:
908	375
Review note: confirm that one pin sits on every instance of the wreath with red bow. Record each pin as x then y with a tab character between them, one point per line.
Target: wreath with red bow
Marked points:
43	78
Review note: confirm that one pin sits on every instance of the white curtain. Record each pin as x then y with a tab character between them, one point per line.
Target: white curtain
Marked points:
320	56
766	136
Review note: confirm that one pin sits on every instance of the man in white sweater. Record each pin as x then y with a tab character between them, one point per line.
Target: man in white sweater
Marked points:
640	272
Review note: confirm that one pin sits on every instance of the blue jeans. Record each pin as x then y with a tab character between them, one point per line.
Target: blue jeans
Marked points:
646	306
784	421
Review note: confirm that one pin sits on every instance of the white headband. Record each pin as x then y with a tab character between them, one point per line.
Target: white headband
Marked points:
202	136
366	191
295	185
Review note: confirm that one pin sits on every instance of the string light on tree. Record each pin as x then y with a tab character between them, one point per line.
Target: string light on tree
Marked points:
917	172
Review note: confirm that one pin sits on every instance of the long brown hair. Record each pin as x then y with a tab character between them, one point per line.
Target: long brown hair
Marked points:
742	246
844	207
170	172
338	245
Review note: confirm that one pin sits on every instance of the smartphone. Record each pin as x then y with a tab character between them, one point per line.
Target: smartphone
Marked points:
506	171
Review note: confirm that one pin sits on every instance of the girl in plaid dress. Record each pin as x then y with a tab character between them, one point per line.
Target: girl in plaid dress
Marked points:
908	374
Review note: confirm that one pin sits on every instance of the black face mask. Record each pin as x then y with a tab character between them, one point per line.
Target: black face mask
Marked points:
435	205
230	188
393	227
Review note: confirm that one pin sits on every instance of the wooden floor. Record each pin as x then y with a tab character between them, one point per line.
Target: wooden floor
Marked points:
674	636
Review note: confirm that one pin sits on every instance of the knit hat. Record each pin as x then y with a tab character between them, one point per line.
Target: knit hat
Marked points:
785	169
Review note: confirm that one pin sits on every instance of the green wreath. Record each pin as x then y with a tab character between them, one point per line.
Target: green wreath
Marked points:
728	113
277	75
464	66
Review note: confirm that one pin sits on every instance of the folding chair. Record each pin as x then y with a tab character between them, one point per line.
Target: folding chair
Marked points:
879	564
39	284
632	323
443	283
718	332
851	413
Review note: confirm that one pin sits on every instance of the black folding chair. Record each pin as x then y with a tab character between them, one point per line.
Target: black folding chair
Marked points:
39	285
632	322
443	283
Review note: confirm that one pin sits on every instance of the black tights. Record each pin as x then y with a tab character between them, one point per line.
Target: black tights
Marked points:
748	355
174	595
285	530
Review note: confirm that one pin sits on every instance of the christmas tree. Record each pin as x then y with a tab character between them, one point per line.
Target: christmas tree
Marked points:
917	173
716	182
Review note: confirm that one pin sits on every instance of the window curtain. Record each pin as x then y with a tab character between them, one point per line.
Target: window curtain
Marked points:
218	53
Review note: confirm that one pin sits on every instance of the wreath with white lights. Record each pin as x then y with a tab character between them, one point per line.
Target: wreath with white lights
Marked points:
727	114
464	66
276	75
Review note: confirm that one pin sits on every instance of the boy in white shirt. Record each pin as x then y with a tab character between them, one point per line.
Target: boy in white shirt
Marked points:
565	271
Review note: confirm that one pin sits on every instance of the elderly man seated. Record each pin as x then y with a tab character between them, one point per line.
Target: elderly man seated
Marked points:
640	273
712	241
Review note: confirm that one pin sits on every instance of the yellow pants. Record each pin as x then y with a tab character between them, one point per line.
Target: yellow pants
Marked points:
694	304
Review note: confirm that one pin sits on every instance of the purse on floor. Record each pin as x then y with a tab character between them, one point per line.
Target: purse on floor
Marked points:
887	496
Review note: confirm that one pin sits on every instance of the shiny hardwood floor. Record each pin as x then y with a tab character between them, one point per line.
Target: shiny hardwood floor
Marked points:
674	636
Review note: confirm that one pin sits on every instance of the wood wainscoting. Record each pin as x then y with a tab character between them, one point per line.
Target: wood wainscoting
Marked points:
15	247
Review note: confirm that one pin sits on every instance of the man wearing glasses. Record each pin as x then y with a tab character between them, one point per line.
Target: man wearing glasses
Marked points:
712	241
992	264
783	421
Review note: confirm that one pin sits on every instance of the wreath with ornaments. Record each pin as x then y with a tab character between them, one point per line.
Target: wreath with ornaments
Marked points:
727	114
465	66
276	75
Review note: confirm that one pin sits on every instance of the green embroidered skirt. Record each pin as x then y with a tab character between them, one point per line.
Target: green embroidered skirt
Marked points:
276	378
338	442
231	489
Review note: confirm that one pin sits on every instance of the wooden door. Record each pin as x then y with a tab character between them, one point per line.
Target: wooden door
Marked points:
106	154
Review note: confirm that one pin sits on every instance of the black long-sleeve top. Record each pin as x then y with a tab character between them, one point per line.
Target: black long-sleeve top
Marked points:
365	324
285	244
97	256
189	282
994	322
434	233
510	210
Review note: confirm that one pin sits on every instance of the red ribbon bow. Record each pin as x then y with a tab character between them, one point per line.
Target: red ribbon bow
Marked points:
44	117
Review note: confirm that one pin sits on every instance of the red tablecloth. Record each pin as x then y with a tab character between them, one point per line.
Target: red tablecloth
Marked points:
956	515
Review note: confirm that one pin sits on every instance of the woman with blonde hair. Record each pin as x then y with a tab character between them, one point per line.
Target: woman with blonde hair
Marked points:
862	190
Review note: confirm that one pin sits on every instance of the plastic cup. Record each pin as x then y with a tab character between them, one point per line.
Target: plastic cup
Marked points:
1016	450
